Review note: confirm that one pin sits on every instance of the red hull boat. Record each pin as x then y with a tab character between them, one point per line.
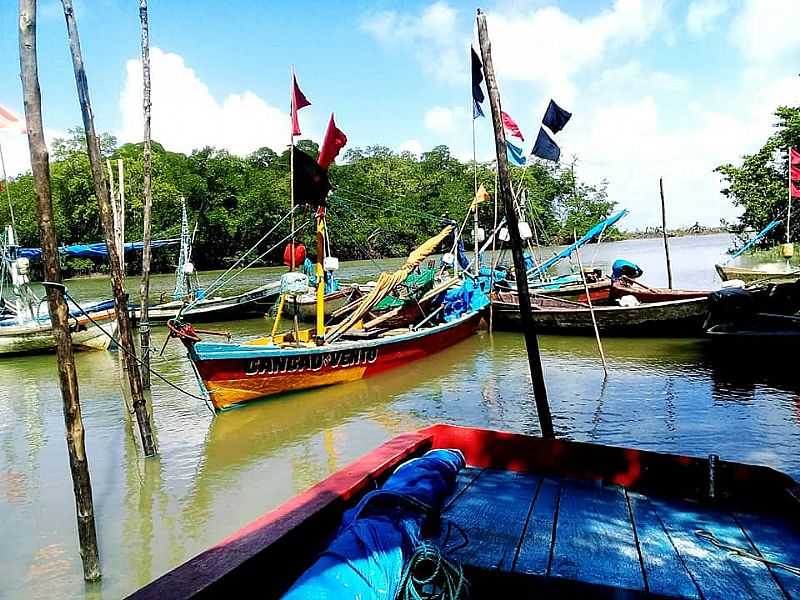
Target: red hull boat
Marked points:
543	518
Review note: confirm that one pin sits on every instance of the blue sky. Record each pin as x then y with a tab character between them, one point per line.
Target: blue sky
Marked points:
658	87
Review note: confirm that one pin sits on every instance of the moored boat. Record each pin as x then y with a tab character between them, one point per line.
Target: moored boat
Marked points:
777	274
529	517
671	318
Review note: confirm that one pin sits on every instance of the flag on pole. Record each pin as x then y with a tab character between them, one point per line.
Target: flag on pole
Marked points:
335	139
299	101
311	185
794	173
545	147
9	121
555	117
477	92
514	140
480	196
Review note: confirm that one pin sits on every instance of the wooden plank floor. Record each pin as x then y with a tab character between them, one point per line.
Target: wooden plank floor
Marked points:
583	533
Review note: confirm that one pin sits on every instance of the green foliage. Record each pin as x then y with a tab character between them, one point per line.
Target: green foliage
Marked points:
760	184
385	203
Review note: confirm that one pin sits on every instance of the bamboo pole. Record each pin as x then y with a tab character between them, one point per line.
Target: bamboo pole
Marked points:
59	314
591	308
117	276
664	231
144	288
121	212
528	325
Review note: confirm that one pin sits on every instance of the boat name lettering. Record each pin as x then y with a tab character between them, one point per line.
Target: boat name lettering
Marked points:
311	362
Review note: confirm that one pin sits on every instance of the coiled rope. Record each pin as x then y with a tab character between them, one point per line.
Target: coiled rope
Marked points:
430	576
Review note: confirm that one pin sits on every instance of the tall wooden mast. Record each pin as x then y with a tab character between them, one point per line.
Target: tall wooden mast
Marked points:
144	288
504	183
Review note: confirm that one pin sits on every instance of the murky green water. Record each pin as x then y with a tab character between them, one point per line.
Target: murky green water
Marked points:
213	475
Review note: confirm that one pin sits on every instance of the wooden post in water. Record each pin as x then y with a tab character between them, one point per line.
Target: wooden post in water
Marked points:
528	325
59	313
144	289
664	230
117	276
589	302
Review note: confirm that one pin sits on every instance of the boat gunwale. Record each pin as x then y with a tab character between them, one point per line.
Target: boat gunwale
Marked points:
303	523
238	350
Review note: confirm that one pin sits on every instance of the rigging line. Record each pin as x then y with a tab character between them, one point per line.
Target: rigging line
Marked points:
120	346
250	264
367	252
211	287
385	206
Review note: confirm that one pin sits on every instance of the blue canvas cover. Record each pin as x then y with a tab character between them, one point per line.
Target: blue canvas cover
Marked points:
468	297
97	250
377	537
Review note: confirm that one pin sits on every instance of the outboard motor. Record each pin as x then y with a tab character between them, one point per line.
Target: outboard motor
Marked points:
625	268
730	305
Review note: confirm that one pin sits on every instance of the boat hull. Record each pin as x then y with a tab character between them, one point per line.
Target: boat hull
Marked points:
236	373
38	338
675	318
727	273
248	304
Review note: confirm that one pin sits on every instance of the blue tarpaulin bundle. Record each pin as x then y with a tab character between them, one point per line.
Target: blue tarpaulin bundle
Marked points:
379	535
467	297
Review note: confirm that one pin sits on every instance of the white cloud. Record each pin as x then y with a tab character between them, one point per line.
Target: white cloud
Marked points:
703	15
767	30
413	146
632	73
442	119
16	152
439	46
549	46
185	116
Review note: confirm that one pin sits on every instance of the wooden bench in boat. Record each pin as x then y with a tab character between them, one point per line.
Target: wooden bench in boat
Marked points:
538	518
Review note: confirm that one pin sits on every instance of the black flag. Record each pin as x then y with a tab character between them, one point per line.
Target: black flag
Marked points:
545	147
477	92
556	117
311	184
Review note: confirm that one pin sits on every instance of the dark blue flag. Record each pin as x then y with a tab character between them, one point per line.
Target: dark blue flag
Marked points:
556	117
545	147
477	92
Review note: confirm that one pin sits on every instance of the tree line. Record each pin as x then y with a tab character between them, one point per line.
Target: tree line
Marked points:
760	184
384	203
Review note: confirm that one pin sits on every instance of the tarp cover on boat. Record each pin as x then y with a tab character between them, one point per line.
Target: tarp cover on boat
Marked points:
468	297
366	558
97	250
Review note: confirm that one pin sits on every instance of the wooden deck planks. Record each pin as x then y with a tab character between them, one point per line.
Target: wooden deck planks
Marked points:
534	551
777	540
594	540
665	572
491	512
718	573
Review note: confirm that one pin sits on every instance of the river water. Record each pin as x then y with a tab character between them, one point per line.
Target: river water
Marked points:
214	474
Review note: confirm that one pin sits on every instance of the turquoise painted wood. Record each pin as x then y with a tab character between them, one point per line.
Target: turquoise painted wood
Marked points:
594	541
777	540
720	575
665	571
534	551
492	513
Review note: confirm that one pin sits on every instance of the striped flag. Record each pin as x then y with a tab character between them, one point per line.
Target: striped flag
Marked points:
514	140
9	121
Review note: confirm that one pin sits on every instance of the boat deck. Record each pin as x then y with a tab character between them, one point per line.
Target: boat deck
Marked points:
543	536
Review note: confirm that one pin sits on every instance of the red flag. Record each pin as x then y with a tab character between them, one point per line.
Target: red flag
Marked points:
794	173
298	101
334	140
512	127
8	120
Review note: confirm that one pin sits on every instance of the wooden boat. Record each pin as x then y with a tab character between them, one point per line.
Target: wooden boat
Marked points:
36	336
749	275
646	294
334	301
234	373
541	518
682	317
251	303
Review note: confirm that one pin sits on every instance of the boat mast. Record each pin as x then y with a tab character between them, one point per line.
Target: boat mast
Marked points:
528	325
320	272
476	261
